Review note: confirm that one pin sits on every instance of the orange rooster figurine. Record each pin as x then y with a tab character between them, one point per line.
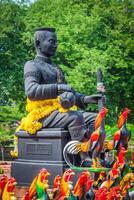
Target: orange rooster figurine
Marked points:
100	117
78	188
97	145
3	182
122	136
65	185
31	191
123	117
8	189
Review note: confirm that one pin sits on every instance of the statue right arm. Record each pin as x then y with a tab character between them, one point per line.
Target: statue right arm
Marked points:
33	87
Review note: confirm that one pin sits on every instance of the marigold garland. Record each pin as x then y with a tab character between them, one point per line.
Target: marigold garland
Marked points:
38	110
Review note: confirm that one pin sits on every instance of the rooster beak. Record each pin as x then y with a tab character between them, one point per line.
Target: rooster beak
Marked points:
48	174
73	173
15	183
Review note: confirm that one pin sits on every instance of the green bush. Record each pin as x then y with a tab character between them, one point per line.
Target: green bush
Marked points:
110	130
10	115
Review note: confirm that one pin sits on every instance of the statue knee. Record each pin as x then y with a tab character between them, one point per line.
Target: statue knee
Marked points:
76	125
76	118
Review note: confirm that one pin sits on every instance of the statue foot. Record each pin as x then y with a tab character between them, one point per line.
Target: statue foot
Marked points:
85	160
86	163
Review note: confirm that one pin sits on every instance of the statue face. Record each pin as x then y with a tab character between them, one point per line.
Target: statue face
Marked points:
48	43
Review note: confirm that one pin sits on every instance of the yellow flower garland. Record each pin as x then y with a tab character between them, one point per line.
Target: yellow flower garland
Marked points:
38	110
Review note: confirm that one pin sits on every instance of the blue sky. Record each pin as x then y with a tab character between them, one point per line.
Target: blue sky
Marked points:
32	1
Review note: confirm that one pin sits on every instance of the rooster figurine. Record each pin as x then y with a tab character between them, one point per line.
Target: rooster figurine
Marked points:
120	159
3	182
42	185
111	178
101	193
100	180
56	186
98	146
125	183
114	193
123	117
38	186
100	117
79	186
65	185
122	136
30	194
9	188
90	195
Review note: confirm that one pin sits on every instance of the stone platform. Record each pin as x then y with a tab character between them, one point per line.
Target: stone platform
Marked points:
42	150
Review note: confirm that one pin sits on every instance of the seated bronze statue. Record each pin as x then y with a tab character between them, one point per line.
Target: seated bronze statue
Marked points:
49	95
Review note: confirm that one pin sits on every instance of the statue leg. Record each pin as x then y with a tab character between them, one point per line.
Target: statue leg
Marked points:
76	122
73	121
89	118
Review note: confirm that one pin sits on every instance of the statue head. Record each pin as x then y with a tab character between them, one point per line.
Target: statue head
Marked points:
45	41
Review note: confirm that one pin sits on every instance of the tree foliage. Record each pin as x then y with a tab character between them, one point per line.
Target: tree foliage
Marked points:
12	51
91	34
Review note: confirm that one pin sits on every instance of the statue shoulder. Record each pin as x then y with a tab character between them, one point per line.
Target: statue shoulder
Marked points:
31	69
31	65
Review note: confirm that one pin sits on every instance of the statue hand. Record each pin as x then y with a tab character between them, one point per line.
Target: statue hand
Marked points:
67	100
64	88
100	87
94	98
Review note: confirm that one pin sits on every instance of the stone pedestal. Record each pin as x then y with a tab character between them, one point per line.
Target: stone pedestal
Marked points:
42	150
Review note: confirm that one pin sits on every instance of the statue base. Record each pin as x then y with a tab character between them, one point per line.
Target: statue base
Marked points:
42	150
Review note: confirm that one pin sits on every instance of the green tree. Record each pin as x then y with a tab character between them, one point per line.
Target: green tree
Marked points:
12	51
12	56
91	34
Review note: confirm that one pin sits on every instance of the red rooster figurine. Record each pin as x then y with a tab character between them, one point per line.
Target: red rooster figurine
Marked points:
8	189
101	193
3	182
123	135
78	188
114	193
119	164
56	185
90	194
65	185
123	117
100	117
